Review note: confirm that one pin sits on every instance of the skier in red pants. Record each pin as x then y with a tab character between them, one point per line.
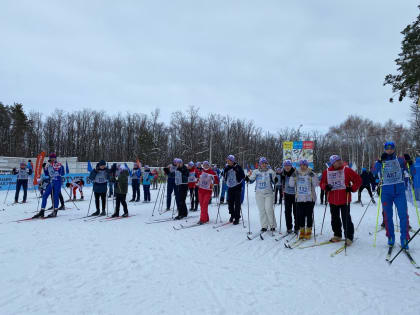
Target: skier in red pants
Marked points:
205	190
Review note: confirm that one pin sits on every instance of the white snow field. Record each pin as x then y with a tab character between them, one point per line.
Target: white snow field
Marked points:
58	266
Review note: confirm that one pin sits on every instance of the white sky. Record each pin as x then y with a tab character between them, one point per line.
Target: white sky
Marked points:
279	63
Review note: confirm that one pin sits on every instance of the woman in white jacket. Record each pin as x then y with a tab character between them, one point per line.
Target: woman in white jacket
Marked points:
304	181
264	194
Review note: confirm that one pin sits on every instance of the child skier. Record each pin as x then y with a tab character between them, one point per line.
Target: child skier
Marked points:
192	187
53	174
100	177
22	181
264	195
205	184
146	179
289	197
135	183
120	179
234	177
304	181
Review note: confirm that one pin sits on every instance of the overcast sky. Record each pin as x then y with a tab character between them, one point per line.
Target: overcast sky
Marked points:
279	63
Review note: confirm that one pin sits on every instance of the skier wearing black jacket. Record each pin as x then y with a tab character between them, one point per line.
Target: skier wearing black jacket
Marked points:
234	176
289	197
367	180
181	182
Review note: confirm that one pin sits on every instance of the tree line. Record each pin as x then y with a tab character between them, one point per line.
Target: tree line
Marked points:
95	135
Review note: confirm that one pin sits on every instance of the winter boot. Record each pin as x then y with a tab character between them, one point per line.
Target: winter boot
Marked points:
40	214
308	233
62	207
116	214
53	214
125	214
273	229
302	233
95	213
231	218
235	222
263	230
349	242
103	213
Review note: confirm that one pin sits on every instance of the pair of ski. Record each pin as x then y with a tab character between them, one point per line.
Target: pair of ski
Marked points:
407	254
169	220
260	234
183	227
32	219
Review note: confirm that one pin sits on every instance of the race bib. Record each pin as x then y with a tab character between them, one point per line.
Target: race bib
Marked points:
262	181
303	185
178	178
336	179
23	174
231	179
205	181
392	173
191	177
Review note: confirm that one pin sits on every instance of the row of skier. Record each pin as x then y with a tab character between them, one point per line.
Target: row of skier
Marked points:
298	189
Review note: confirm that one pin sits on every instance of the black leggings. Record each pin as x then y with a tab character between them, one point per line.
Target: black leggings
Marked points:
305	211
102	196
120	199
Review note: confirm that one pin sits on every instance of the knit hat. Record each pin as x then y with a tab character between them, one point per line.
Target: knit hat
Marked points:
389	145
231	158
304	162
146	167
22	164
334	158
52	156
206	163
262	160
175	160
191	164
278	169
287	163
102	162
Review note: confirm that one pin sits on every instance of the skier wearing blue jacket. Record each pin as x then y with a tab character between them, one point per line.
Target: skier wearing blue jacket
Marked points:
53	173
391	169
135	183
147	177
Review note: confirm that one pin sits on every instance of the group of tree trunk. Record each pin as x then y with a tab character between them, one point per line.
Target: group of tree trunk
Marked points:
93	135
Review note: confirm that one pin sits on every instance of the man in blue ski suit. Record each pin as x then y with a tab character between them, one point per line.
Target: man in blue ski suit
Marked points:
53	173
391	170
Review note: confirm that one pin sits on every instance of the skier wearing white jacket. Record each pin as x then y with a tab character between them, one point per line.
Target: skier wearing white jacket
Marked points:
304	181
264	187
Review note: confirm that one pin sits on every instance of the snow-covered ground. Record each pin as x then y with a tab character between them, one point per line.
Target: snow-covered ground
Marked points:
125	266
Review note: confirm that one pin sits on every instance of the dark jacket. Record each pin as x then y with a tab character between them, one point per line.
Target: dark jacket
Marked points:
121	181
100	187
367	178
239	172
184	174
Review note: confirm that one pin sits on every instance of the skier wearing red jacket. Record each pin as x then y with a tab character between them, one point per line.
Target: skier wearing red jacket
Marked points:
339	181
205	184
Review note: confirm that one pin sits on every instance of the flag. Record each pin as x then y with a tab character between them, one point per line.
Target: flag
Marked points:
38	167
89	167
67	168
129	171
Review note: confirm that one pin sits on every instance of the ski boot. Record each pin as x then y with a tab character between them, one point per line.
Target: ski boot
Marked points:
50	208
373	201
263	230
348	242
82	198
289	231
132	200
335	239
125	214
231	218
62	207
273	229
302	233
40	214
235	222
116	214
95	213
103	213
308	233
53	214
23	201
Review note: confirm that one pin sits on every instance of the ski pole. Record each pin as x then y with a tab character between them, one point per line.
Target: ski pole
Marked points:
74	202
379	205
161	201
414	195
325	210
347	225
281	213
363	214
90	202
5	198
157	197
218	212
390	262
247	202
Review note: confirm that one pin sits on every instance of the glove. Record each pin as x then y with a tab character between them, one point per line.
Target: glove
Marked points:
328	187
408	159
247	179
384	156
348	189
